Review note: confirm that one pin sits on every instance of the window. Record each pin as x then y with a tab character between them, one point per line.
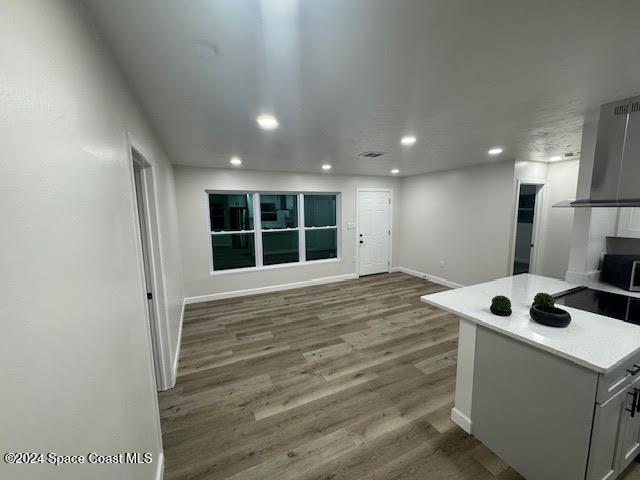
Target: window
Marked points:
252	230
320	228
279	222
232	232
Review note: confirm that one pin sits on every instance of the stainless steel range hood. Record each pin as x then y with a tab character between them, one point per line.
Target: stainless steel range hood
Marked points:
616	167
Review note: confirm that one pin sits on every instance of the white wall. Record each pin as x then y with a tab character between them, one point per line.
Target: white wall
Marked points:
77	375
462	217
555	230
531	171
555	244
191	184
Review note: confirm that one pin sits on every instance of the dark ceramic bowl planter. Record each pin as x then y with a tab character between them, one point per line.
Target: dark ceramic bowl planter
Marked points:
550	316
497	311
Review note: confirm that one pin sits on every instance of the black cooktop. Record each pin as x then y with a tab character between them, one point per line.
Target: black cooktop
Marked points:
621	307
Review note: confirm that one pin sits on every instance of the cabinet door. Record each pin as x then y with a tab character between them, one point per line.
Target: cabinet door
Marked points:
605	434
629	442
629	222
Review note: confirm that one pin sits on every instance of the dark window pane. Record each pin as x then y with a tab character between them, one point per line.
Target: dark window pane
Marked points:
319	210
280	247
279	211
233	250
321	244
231	212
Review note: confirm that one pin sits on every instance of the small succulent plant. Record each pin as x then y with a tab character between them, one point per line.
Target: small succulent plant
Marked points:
543	298
501	303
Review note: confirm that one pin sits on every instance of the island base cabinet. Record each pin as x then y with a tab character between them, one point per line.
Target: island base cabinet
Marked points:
549	418
607	420
532	408
615	438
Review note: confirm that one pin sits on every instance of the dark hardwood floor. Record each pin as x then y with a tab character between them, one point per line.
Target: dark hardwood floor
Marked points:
351	380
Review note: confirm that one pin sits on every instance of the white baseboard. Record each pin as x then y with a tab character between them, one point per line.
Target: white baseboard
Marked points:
160	468
176	360
426	276
271	288
461	420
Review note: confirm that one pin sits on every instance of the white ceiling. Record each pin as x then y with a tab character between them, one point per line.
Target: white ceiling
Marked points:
348	76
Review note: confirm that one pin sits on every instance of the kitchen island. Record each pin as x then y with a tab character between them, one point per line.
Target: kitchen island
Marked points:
553	403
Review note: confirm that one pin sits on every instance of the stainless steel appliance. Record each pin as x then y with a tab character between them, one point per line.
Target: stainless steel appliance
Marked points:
616	165
623	271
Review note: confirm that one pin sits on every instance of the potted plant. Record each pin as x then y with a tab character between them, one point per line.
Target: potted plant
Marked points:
543	298
501	305
545	312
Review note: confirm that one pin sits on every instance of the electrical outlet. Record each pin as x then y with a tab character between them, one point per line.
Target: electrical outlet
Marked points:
441	263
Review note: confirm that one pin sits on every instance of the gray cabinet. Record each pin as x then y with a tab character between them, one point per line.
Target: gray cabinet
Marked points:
529	405
531	408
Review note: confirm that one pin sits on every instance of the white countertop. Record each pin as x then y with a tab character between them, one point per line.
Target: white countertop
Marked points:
593	341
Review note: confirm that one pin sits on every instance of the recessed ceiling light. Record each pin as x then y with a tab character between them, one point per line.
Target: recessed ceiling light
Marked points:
495	151
326	167
395	171
408	140
555	158
235	161
267	122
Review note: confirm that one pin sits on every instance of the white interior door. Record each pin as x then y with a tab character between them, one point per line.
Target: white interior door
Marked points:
374	231
146	260
525	246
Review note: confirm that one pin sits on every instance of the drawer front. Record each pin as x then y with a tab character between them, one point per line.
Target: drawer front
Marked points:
619	378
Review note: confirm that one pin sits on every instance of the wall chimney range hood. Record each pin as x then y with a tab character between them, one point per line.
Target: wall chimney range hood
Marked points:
616	167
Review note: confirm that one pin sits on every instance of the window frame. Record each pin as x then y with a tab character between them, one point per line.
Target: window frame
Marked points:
335	227
262	231
258	230
232	232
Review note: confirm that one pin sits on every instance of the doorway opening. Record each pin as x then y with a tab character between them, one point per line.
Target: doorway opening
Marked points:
526	228
374	231
141	177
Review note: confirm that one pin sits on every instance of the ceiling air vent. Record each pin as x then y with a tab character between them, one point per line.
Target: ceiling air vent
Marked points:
372	154
635	107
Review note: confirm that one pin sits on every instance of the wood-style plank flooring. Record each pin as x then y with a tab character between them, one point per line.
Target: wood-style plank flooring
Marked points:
351	380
